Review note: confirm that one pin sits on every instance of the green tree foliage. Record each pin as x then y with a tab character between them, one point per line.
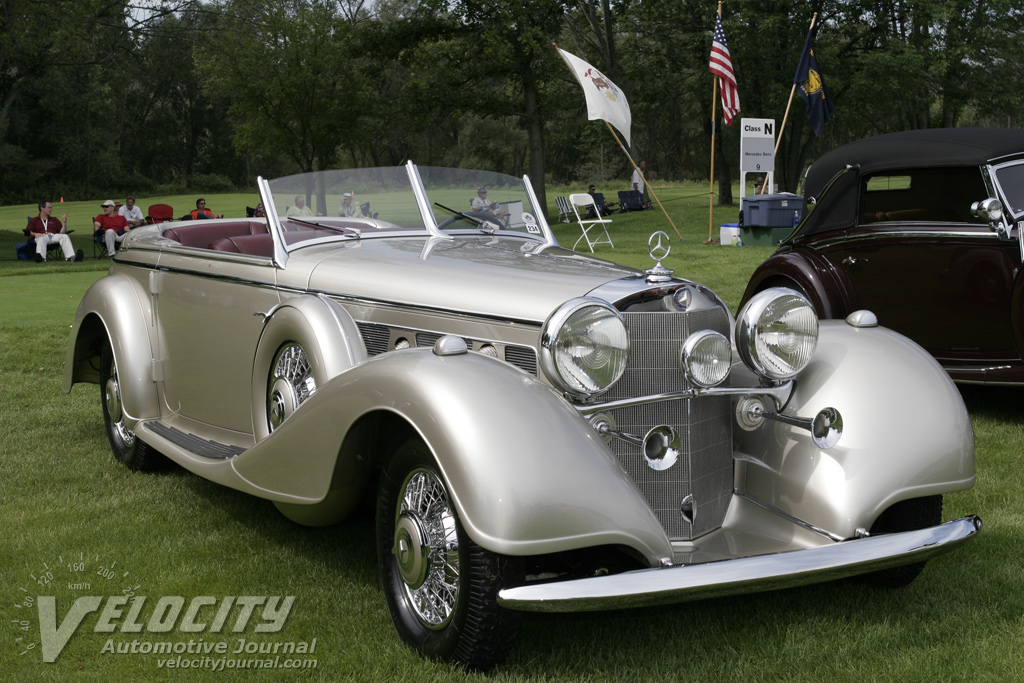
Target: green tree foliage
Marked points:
100	94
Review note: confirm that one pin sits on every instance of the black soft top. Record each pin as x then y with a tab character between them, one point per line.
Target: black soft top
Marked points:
905	150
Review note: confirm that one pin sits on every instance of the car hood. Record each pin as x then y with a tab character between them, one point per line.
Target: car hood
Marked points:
492	276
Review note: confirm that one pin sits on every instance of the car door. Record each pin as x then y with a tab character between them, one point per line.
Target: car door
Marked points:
211	314
926	268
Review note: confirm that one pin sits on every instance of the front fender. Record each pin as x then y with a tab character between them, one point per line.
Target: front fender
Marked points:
906	433
526	473
115	308
811	273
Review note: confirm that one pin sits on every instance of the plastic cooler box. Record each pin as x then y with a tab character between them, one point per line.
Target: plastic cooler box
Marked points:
770	218
727	232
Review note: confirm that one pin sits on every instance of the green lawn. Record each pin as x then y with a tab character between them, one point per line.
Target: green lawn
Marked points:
78	522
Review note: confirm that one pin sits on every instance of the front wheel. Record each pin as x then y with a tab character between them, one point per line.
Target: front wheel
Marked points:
127	447
907	515
441	587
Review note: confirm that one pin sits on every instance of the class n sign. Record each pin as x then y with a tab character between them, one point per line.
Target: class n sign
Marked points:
757	145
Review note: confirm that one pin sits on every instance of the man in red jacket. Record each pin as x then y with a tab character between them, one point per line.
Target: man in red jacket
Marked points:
46	230
113	225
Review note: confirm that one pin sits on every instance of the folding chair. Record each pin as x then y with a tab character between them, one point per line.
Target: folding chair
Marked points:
631	200
564	213
159	213
581	203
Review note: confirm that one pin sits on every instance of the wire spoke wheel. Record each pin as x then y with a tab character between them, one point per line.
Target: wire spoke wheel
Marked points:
124	443
291	384
441	587
427	548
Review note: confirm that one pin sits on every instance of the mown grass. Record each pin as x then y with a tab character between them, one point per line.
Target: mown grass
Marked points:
65	499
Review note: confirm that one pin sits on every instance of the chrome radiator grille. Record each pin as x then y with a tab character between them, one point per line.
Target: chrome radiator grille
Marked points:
704	469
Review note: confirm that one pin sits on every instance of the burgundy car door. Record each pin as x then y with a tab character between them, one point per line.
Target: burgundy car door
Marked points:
946	287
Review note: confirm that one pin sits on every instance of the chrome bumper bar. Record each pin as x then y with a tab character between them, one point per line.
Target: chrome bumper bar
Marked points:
681	583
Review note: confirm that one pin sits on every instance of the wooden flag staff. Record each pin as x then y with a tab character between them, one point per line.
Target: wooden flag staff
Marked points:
711	190
785	116
646	184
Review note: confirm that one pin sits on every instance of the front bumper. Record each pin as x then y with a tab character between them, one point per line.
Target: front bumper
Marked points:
682	583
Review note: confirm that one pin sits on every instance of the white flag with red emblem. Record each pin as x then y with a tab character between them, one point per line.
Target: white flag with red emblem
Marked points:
604	99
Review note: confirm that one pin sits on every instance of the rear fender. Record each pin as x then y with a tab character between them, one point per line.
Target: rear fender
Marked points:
115	308
906	433
526	473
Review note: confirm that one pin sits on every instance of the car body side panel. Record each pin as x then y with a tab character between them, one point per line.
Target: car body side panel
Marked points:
912	276
528	475
907	433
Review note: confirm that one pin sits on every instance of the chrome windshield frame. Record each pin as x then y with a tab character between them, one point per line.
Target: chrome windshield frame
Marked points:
423	202
280	258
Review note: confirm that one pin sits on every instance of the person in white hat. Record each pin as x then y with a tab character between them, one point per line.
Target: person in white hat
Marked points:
347	207
113	225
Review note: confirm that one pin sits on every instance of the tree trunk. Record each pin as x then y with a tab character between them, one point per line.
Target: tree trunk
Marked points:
535	134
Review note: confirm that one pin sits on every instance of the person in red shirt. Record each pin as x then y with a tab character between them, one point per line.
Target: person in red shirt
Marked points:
113	225
202	212
45	230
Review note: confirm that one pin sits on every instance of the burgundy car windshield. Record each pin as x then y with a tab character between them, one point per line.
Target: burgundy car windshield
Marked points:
1010	179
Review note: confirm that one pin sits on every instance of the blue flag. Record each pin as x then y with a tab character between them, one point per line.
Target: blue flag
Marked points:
812	88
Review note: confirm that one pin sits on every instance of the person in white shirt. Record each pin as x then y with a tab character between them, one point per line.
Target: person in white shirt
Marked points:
131	213
638	178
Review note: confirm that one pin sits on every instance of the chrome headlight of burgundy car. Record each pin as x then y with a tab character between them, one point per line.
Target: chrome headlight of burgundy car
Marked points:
776	333
584	347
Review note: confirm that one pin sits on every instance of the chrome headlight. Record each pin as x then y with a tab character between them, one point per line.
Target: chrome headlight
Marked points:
584	347
776	333
705	358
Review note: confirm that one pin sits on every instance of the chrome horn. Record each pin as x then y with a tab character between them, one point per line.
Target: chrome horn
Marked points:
826	427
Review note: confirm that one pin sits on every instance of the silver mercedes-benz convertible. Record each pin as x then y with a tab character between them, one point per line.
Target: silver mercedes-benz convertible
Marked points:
541	430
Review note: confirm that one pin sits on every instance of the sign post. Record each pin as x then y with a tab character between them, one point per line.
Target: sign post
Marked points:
757	151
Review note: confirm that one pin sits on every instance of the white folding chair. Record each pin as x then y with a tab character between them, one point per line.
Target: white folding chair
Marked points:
584	205
564	214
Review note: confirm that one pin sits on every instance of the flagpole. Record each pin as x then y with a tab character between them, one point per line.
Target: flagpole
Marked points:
648	185
785	116
714	112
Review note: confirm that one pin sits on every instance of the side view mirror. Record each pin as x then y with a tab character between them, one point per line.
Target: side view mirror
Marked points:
991	210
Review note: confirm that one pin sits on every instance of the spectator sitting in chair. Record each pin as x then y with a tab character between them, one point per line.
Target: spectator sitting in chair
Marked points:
202	212
131	213
46	230
347	208
300	208
480	203
113	225
602	205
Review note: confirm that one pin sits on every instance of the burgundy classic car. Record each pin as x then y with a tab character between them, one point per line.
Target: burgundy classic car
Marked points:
923	229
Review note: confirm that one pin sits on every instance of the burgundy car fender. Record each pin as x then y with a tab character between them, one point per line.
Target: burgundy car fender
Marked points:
811	274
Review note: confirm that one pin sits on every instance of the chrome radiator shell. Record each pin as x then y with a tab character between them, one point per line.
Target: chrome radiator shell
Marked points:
704	471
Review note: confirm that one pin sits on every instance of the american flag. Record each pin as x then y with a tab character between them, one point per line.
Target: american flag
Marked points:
721	66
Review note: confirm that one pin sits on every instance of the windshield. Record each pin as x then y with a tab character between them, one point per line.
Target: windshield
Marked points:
1010	180
440	202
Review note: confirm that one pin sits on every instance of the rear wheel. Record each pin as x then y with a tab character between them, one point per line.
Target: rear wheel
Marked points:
126	446
907	515
441	587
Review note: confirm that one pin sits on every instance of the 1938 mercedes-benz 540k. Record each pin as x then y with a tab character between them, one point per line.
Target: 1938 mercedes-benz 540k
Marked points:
541	430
